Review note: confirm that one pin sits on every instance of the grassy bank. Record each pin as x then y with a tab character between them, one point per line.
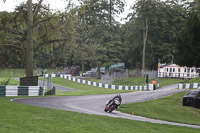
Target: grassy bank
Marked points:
18	72
8	81
142	81
195	80
169	108
19	118
83	88
163	81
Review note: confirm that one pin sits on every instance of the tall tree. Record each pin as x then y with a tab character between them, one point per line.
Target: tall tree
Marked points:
51	30
29	53
101	29
188	45
165	20
29	49
142	10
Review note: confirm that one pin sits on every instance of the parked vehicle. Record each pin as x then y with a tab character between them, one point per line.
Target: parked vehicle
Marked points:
192	98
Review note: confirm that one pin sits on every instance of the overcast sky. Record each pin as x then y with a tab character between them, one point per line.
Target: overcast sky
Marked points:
54	4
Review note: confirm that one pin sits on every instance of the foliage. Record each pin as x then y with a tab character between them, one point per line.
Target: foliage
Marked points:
5	82
8	81
164	22
50	29
188	44
98	32
88	34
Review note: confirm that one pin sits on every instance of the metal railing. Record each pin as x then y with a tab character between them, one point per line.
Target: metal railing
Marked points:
178	75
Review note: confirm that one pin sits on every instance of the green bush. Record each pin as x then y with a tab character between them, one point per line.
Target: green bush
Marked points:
5	82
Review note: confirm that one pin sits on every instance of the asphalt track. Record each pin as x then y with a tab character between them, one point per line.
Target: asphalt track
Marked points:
94	104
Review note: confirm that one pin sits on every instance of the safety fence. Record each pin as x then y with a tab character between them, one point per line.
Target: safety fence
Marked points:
187	86
102	85
21	91
178	75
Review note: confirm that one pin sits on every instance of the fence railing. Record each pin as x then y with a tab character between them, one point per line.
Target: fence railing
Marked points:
127	83
120	78
178	75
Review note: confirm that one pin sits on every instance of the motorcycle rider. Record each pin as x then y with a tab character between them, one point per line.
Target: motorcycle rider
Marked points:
118	96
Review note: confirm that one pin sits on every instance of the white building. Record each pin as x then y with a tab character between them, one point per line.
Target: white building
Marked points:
176	71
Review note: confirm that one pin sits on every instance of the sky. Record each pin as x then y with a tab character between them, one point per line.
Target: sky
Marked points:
9	6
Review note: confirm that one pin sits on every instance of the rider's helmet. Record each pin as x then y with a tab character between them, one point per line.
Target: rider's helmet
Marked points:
118	95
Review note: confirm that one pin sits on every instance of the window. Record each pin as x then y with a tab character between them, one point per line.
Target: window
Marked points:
173	69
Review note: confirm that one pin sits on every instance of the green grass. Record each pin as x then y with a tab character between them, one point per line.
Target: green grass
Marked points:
164	81
12	72
195	80
10	81
95	80
18	72
142	81
168	108
84	89
20	118
91	90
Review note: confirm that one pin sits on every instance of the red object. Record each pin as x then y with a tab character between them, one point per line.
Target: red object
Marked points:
132	113
154	82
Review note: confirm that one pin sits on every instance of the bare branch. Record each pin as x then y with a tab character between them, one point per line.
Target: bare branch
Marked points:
13	45
37	8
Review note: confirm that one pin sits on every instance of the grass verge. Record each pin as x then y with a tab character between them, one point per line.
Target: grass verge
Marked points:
84	89
142	81
8	81
168	108
20	118
18	72
195	80
163	81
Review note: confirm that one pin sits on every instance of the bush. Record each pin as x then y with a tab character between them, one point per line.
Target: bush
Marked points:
5	82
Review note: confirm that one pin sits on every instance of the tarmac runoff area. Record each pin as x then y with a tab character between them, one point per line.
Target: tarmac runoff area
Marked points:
94	104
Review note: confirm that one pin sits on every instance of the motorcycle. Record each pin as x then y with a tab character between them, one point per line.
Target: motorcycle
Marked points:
112	105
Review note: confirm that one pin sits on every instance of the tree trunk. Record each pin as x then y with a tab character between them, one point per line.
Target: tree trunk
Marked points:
98	71
145	33
29	56
83	66
107	70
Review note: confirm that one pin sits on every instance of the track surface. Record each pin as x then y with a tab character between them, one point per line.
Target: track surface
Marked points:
94	104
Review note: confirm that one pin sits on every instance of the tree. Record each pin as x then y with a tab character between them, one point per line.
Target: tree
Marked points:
29	49
51	31
142	10
165	20
99	30
188	44
29	53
